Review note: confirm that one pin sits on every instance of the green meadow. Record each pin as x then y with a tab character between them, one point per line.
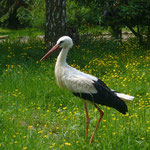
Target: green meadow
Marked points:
36	115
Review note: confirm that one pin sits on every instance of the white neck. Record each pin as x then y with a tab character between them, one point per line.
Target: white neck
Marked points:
61	59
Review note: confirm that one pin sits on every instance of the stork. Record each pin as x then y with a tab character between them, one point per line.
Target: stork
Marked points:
85	86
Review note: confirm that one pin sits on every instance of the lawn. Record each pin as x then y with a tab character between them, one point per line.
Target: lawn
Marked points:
36	115
14	34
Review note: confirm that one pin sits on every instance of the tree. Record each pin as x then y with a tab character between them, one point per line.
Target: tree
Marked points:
130	13
136	13
14	14
56	21
116	14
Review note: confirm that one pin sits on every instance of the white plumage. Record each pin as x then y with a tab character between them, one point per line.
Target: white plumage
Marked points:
125	97
69	77
84	85
74	80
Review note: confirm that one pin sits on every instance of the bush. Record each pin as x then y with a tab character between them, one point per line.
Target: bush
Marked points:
18	14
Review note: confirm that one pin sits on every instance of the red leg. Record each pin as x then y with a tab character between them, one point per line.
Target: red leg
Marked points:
101	115
87	119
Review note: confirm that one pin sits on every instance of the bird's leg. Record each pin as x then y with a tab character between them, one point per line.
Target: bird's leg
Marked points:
101	115
87	119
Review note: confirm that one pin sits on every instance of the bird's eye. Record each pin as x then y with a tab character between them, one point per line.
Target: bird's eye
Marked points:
61	42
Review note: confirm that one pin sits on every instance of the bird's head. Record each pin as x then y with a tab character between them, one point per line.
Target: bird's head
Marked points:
64	42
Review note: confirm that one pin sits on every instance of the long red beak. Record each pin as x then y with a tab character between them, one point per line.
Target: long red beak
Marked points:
55	48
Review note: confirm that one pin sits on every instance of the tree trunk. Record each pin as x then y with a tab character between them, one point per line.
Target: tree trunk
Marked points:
138	35
116	32
56	21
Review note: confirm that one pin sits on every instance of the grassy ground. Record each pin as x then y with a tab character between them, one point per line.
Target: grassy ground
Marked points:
14	34
36	115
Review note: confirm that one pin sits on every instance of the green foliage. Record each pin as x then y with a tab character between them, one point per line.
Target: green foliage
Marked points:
38	14
22	13
36	114
9	12
129	13
136	11
117	14
79	15
120	13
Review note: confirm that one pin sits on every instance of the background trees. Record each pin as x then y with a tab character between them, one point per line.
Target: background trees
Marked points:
14	14
22	13
109	14
117	14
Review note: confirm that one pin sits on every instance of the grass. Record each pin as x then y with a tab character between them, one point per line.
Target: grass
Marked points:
36	115
14	34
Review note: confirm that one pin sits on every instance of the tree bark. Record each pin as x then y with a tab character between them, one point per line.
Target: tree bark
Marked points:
56	21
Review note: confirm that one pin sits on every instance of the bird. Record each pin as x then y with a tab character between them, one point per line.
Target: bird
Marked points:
85	86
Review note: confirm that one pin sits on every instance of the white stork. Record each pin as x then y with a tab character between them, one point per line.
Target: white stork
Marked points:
85	86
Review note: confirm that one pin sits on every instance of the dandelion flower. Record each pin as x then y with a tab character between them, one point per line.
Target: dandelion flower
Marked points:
30	127
68	144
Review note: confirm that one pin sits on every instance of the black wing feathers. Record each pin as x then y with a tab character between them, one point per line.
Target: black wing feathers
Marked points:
104	96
